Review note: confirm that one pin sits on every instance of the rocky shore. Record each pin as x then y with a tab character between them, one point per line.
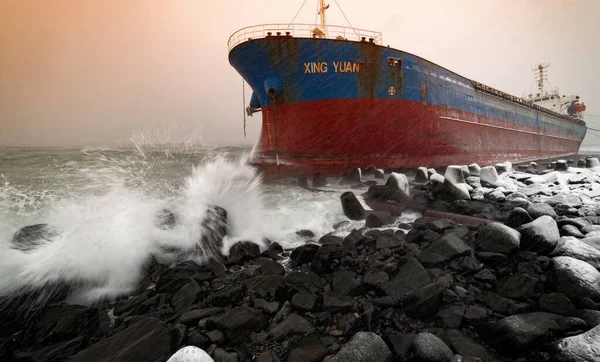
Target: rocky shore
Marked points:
503	266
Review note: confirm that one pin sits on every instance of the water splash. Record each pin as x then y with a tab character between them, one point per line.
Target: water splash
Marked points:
107	229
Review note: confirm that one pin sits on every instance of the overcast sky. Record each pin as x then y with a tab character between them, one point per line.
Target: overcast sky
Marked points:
93	72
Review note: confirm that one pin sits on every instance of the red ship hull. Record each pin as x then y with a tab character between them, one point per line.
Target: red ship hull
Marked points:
334	136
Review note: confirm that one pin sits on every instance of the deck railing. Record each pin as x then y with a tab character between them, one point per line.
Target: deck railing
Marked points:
509	97
303	31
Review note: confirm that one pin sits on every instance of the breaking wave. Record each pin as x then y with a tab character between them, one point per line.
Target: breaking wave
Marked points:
104	226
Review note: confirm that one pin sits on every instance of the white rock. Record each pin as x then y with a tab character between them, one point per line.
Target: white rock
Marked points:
190	354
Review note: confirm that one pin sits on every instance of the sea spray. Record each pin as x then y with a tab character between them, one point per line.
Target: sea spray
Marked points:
105	238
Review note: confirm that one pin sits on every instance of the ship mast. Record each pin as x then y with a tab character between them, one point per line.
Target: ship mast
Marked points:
322	32
541	76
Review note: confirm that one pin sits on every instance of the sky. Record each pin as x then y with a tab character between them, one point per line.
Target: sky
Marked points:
77	73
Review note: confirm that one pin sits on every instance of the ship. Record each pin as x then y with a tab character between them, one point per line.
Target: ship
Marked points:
335	98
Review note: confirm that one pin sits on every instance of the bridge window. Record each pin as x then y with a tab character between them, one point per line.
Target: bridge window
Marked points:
394	62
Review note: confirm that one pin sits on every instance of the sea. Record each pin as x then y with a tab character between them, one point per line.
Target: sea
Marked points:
104	204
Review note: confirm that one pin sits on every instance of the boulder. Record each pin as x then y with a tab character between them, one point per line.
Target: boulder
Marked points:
411	275
32	236
423	347
516	333
474	169
147	340
580	348
424	303
540	235
364	347
556	303
446	248
352	177
498	238
190	354
489	177
517	217
398	181
575	248
422	175
239	322
574	278
308	349
353	209
292	325
537	209
454	186
570	230
319	180
591	162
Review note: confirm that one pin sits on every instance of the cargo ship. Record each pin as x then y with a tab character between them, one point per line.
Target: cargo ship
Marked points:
334	98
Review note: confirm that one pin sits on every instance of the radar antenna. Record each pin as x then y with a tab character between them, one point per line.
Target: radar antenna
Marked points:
540	75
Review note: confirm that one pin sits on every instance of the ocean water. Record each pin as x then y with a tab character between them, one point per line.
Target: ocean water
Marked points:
103	202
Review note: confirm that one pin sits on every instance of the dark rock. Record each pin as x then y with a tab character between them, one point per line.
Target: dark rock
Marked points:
519	286
292	325
61	322
446	248
198	339
308	281
308	349
186	296
353	209
364	347
303	301
243	251
221	355
348	324
579	223
178	334
574	278
147	340
492	258
331	239
517	217
32	236
383	192
337	302
214	229
485	275
352	177
498	238
215	336
193	316
267	307
426	347
475	315
515	333
423	303
502	305
375	279
466	346
305	233
60	351
589	316
379	174
239	322
319	180
411	275
540	235
570	230
556	303
452	316
579	348
378	219
421	175
304	254
266	285
344	282
271	267
575	248
540	209
564	199
398	181
231	295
